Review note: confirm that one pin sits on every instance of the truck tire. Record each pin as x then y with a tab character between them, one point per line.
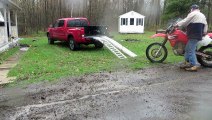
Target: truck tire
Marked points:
50	40
98	44
73	45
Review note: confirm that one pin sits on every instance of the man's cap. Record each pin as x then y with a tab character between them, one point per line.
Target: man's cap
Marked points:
195	6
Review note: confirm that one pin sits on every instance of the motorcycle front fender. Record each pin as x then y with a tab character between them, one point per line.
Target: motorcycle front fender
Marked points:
159	35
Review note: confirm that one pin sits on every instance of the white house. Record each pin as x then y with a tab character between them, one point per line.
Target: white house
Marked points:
131	22
8	24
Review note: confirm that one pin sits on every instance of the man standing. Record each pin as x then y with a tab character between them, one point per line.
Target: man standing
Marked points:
196	27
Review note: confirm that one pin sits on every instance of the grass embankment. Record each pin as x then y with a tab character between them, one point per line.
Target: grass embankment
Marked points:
50	62
5	55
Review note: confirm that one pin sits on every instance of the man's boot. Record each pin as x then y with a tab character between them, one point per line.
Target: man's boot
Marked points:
193	68
185	65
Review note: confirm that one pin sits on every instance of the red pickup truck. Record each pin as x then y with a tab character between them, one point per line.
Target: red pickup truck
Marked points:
75	31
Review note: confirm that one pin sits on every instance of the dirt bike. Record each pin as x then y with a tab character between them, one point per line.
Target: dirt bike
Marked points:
157	52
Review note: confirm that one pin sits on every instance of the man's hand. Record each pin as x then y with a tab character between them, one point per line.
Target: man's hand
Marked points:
176	26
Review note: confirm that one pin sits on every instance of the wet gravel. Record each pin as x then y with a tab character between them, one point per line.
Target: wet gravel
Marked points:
159	93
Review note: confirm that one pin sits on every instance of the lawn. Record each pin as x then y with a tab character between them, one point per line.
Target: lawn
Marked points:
43	62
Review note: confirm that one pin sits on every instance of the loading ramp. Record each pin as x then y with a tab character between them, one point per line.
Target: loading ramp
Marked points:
115	47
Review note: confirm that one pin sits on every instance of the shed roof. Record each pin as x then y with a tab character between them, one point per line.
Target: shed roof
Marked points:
11	4
132	14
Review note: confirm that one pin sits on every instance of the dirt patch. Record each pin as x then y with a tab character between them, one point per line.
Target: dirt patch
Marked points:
133	40
161	92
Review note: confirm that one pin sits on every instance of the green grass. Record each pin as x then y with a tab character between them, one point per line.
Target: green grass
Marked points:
45	62
5	55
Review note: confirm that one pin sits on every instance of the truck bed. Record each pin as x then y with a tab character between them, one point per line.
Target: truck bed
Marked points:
95	30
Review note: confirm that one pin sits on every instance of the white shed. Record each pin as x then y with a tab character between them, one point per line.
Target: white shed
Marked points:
131	22
8	24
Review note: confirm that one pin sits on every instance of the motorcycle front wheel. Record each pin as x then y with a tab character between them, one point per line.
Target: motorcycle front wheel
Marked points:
206	58
156	53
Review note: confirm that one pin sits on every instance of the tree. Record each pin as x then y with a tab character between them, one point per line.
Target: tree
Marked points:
180	8
177	8
37	15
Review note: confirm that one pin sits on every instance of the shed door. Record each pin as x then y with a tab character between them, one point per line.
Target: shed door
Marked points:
132	21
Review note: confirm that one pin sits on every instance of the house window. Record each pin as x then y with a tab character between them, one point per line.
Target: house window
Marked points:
142	21
124	21
139	21
1	24
1	19
56	24
131	21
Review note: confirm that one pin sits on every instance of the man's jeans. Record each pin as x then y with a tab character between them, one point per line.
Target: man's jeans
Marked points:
190	52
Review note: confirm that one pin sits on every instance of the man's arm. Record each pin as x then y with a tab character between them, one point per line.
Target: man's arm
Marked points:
187	20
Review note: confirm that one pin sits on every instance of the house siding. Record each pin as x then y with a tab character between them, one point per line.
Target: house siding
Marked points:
14	31
3	36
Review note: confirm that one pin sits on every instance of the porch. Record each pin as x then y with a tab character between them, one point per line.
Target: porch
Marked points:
8	24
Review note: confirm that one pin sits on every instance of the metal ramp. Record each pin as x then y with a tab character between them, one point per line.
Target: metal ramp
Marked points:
111	47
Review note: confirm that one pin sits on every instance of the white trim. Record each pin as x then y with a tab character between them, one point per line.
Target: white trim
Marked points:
11	4
1	17
16	21
5	25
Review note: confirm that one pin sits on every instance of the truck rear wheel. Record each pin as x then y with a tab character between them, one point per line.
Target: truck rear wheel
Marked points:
98	44
72	44
50	40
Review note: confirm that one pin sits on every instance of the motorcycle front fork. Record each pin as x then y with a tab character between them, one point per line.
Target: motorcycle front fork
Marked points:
164	41
163	44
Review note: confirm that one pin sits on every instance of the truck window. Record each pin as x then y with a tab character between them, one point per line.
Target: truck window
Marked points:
77	23
56	24
61	23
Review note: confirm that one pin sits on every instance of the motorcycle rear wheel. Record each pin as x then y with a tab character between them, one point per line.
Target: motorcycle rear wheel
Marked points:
205	61
156	53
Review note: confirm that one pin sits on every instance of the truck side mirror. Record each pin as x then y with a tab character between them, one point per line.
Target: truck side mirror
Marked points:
51	26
